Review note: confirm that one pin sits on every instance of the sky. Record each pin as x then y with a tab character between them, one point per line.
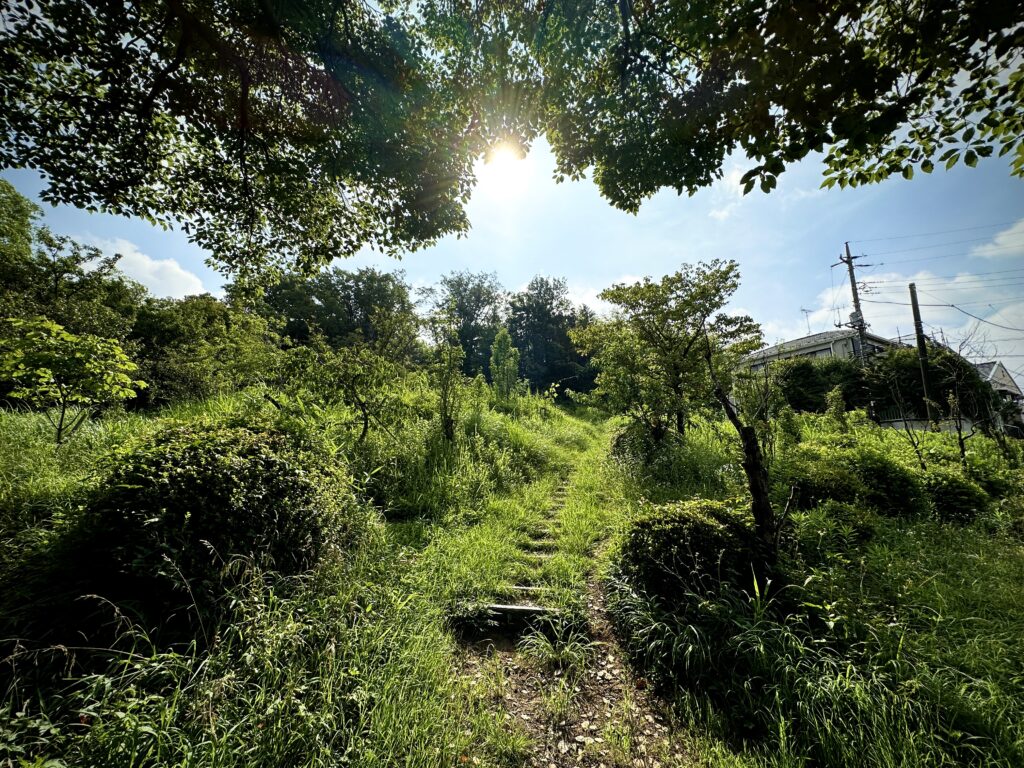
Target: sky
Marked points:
959	234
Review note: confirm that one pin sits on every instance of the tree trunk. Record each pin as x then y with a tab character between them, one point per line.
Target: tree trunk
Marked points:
681	422
757	478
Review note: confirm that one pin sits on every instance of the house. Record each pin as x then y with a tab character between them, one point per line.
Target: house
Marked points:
995	373
840	343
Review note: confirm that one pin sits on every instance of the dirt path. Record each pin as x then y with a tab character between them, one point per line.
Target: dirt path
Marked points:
567	688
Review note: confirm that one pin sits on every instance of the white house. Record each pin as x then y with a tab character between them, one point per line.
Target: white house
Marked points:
840	343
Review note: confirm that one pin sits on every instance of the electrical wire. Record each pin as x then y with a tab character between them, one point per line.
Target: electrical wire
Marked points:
939	232
949	255
933	245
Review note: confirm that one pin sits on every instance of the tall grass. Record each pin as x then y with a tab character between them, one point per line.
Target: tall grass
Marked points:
883	641
353	664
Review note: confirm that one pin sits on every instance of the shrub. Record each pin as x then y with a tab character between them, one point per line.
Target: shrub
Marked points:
955	498
694	546
182	505
849	475
889	486
817	476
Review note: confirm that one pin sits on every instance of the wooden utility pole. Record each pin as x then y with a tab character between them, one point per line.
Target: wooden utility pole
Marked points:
857	316
922	353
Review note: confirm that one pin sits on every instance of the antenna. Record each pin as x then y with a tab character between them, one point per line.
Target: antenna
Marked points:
807	317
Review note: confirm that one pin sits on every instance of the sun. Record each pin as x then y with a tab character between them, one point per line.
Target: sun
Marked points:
503	173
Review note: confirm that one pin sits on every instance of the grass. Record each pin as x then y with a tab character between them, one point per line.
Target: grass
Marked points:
899	642
349	664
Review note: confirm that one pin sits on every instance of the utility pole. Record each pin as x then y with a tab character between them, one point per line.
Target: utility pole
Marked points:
857	316
922	353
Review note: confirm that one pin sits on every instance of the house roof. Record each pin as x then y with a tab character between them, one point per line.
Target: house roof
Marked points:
814	340
986	369
995	373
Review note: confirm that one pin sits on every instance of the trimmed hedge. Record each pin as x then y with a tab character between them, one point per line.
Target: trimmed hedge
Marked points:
177	510
694	546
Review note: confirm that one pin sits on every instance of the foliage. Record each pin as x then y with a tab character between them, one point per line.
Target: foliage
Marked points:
674	551
477	301
540	318
850	475
365	307
51	368
895	377
877	641
650	357
279	136
447	371
653	95
955	498
703	463
504	365
199	346
180	507
805	382
44	274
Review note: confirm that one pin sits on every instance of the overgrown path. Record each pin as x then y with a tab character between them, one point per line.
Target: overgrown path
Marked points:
561	683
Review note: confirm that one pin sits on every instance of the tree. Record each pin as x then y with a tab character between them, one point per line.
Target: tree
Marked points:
73	284
344	308
53	369
477	300
672	346
665	324
278	134
538	322
504	365
446	371
196	347
660	94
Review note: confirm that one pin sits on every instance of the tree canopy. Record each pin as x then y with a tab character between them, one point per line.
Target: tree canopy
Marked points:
660	94
290	133
277	134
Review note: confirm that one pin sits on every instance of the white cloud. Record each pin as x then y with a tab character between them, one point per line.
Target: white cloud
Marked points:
1007	244
163	277
727	194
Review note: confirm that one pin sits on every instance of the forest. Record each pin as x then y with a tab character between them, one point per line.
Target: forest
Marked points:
327	518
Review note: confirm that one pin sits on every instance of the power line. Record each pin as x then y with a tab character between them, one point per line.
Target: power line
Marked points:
939	232
932	246
948	255
1013	300
987	322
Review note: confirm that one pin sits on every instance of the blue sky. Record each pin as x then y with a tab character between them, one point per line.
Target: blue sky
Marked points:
958	233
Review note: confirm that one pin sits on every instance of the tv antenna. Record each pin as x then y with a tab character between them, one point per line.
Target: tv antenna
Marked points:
807	317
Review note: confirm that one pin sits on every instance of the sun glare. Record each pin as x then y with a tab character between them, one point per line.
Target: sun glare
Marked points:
504	171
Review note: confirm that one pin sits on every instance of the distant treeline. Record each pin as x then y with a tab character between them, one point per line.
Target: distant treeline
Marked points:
197	346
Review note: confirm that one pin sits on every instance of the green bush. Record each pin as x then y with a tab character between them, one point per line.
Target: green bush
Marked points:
184	504
817	476
889	487
954	497
849	475
672	550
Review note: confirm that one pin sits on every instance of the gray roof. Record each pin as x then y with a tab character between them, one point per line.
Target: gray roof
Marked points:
815	339
986	369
